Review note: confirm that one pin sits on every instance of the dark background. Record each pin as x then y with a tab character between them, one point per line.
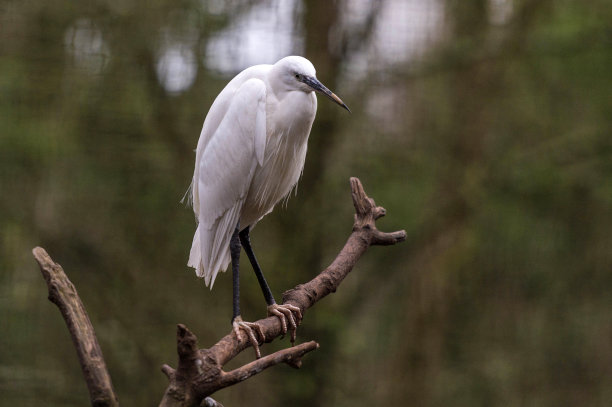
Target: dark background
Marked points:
483	127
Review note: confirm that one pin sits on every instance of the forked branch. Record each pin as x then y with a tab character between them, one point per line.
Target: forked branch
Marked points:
211	377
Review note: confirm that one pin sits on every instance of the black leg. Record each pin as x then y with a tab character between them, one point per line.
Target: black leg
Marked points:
248	327
265	288
235	254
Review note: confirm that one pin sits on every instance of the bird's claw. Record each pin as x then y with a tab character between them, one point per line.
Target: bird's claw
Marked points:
249	327
285	312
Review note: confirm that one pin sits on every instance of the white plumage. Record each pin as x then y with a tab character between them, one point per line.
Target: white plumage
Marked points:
250	154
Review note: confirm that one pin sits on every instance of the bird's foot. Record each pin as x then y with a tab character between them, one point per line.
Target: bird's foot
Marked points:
250	328
285	312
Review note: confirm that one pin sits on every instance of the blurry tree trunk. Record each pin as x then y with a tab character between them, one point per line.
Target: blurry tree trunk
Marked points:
319	18
474	75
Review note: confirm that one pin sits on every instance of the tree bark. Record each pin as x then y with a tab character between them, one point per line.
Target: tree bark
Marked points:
63	294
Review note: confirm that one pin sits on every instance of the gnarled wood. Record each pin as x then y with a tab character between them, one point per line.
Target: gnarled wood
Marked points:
191	388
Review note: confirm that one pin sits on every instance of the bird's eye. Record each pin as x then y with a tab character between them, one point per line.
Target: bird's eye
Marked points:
298	76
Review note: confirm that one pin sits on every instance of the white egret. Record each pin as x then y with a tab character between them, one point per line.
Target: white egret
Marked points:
250	155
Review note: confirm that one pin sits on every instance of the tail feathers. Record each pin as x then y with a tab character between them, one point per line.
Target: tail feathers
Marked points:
211	262
210	251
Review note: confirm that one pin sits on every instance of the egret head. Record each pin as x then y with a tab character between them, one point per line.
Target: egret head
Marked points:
298	73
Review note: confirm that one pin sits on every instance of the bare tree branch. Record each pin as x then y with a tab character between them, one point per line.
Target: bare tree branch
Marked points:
200	371
291	356
63	294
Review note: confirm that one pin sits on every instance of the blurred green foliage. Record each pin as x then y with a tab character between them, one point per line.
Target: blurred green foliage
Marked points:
492	148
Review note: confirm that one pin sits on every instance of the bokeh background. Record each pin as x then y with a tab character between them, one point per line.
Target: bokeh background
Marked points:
484	127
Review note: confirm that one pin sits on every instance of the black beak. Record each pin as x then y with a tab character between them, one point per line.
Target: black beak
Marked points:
319	87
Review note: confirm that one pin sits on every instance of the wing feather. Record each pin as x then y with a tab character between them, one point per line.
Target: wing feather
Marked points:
223	175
